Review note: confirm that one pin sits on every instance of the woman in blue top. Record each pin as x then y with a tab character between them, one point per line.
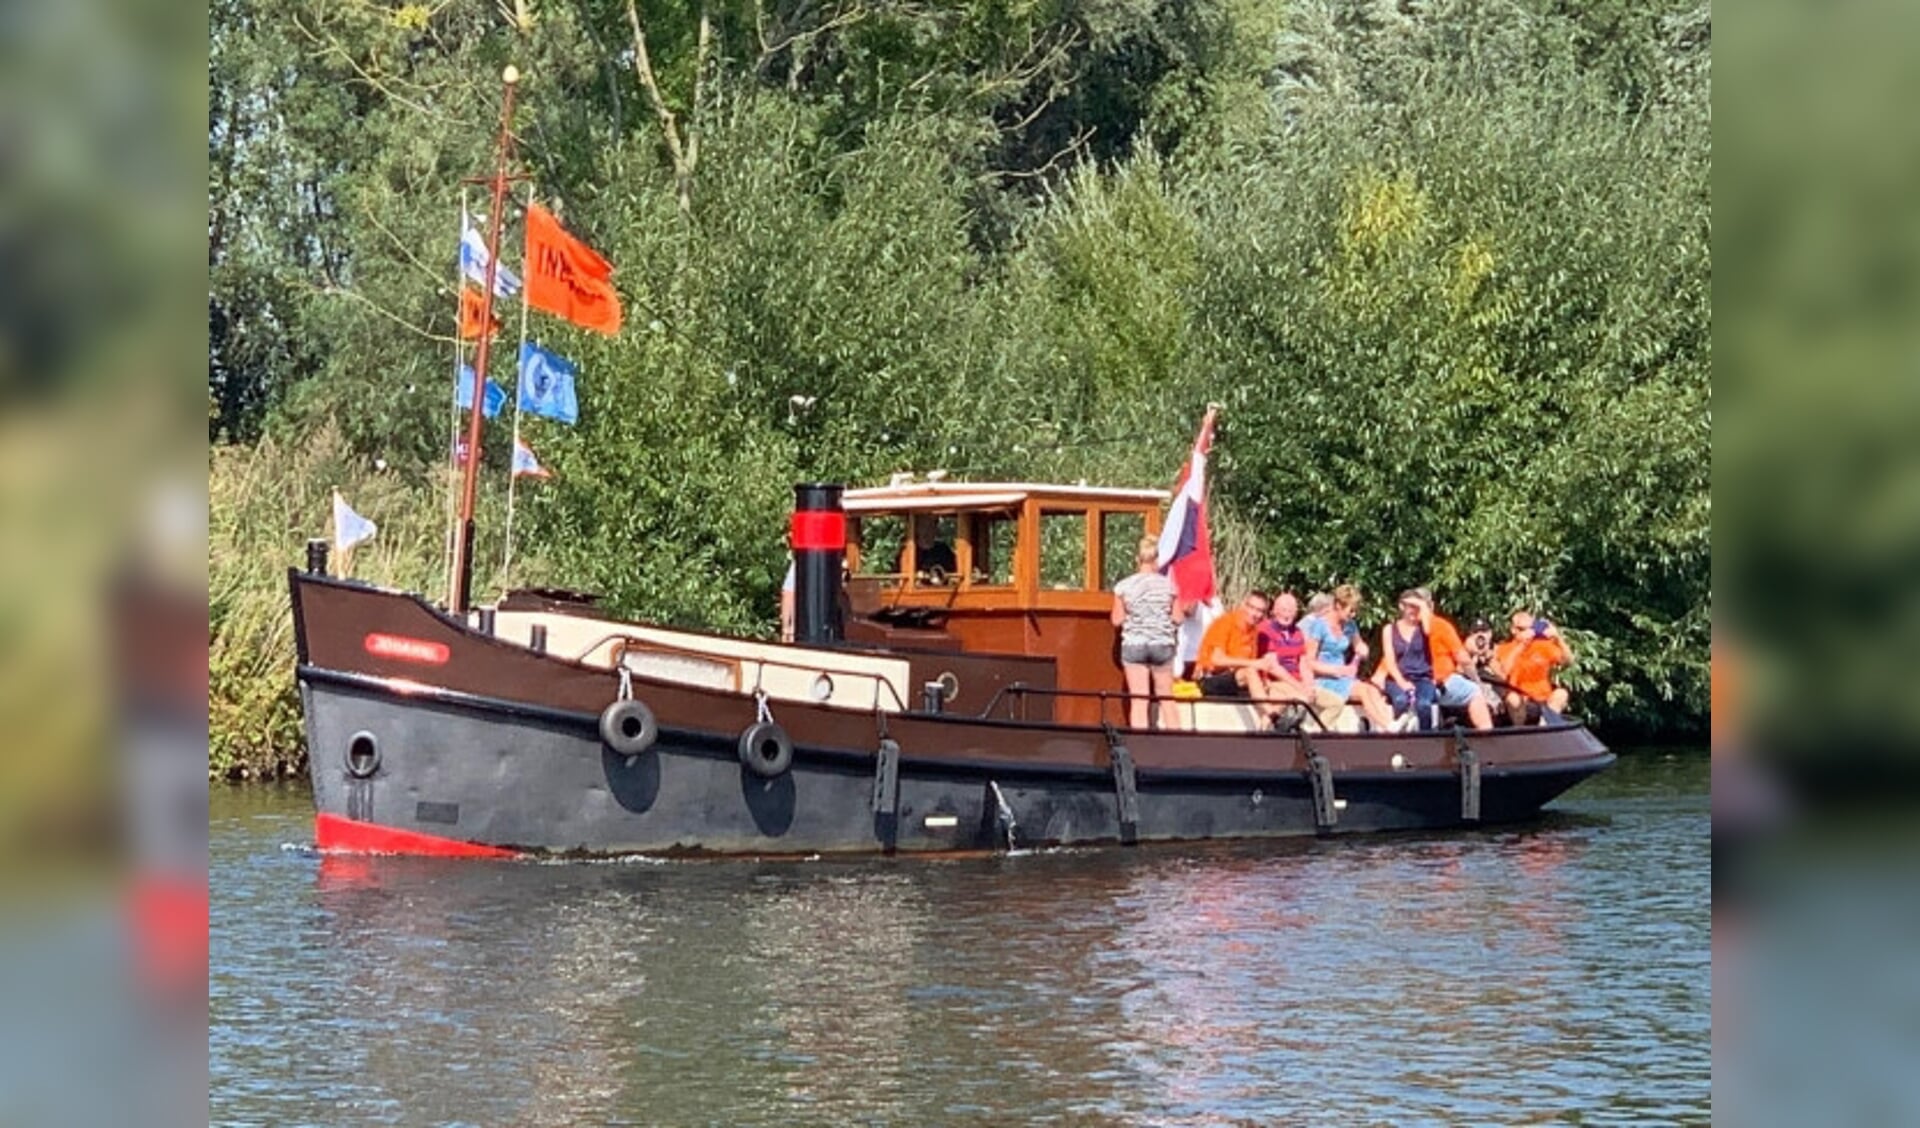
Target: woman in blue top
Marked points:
1334	653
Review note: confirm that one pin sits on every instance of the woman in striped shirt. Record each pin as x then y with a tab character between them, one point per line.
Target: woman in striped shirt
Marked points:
1148	615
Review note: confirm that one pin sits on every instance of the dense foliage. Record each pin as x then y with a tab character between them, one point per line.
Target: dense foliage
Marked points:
1445	264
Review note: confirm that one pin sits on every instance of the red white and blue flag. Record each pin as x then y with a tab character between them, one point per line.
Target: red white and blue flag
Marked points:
1186	546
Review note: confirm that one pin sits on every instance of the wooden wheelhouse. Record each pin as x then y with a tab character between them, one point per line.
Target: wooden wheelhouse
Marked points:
1003	569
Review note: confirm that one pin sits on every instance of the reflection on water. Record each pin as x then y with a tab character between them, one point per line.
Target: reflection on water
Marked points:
1557	972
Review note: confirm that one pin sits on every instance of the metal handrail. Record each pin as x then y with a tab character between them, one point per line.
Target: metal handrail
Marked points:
1022	689
878	680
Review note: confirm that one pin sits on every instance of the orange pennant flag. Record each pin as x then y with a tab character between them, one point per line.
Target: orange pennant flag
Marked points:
567	277
470	303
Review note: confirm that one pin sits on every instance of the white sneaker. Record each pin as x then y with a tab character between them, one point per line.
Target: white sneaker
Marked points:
1406	722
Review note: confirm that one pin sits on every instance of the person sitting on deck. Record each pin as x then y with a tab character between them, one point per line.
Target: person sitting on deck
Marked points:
1479	642
1148	614
1454	671
1281	642
1229	662
1334	653
1406	671
1526	662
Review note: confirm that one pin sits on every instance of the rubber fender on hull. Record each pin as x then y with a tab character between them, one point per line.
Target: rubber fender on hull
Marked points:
766	749
628	727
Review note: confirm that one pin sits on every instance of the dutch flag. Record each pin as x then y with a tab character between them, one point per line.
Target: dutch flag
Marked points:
1186	548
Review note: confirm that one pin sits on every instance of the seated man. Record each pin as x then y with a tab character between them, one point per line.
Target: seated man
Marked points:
1454	665
1479	642
1229	664
1526	662
1280	642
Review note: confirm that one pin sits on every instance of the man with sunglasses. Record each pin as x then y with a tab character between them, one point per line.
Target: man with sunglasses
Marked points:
1526	661
1229	664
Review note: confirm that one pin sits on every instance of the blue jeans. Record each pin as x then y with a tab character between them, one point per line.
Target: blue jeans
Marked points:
1422	699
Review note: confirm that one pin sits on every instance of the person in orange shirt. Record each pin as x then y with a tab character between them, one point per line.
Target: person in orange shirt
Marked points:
1228	664
1452	664
1526	662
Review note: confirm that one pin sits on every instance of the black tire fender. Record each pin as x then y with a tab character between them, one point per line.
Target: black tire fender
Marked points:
628	727
766	749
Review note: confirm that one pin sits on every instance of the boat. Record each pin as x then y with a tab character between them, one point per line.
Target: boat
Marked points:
920	709
954	684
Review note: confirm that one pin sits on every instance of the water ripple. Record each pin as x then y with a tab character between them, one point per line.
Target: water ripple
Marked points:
1556	973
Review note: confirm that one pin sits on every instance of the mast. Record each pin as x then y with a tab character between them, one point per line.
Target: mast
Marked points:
460	597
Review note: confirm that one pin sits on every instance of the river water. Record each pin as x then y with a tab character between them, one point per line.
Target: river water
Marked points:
1557	972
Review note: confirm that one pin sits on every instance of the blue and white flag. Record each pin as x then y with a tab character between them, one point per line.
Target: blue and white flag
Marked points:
473	264
546	384
525	465
496	396
349	528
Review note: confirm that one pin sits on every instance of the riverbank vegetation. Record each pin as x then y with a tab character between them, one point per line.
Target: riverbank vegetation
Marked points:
1445	266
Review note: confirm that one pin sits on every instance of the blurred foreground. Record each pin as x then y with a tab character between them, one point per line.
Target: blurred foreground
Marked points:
1818	484
1817	480
103	901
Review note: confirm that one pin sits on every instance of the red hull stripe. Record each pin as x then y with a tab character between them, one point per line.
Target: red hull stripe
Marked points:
826	531
351	836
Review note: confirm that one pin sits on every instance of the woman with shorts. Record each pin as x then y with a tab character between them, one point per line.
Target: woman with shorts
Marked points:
1148	615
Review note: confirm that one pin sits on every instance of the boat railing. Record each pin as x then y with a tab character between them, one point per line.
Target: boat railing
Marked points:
1018	692
880	682
624	642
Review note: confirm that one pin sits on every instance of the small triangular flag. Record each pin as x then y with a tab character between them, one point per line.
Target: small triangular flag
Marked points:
349	528
525	465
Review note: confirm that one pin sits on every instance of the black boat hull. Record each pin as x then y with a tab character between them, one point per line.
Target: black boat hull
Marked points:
453	773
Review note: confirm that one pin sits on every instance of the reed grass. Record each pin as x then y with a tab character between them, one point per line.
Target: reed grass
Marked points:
266	501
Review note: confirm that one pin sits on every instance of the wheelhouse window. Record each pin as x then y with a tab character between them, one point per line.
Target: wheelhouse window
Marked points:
878	541
993	536
1120	535
936	560
1063	551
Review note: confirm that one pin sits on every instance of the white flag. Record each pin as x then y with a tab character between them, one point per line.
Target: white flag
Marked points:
349	528
525	464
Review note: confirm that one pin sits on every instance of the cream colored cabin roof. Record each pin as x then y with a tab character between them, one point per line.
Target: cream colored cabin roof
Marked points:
984	495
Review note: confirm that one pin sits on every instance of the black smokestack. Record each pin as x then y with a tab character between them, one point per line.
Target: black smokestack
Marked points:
819	540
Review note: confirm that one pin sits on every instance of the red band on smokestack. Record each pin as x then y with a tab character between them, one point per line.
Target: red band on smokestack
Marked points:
825	532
